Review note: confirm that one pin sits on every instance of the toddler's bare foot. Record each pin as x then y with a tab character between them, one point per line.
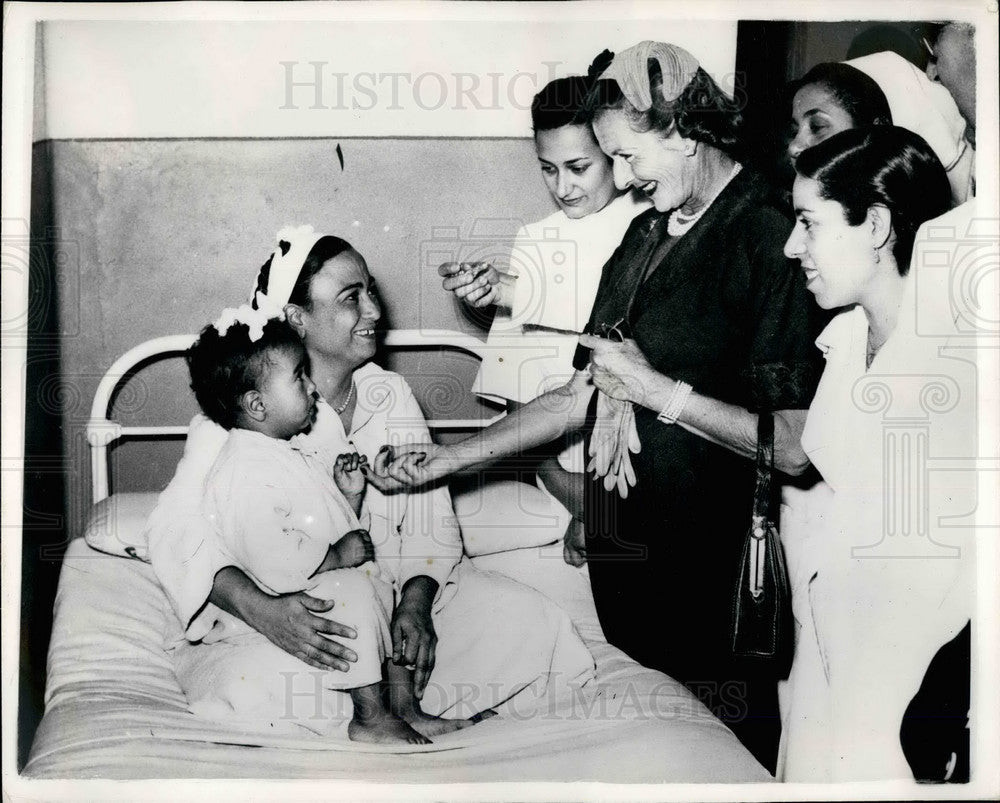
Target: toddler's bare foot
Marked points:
384	729
435	726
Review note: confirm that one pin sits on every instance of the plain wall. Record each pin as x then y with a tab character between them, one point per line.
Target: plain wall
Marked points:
449	71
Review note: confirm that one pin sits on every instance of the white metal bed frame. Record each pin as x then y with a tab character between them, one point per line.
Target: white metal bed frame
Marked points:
102	432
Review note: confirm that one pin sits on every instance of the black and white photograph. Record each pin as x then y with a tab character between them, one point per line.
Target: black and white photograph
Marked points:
501	401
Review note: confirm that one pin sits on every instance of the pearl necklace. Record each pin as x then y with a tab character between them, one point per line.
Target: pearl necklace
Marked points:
350	395
677	224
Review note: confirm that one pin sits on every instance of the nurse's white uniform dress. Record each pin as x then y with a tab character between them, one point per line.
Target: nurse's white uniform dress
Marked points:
882	559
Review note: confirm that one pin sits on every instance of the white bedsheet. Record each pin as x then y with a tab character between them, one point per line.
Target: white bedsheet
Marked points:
114	708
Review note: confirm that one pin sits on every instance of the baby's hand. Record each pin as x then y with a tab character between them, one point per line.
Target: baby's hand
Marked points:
353	549
348	475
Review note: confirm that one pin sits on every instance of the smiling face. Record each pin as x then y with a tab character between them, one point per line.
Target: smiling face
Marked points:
838	258
576	171
338	328
816	115
288	394
656	165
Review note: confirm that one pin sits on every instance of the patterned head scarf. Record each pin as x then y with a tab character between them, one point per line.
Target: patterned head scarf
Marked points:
294	245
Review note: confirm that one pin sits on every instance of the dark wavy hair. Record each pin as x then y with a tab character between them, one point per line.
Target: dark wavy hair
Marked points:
703	112
855	92
881	165
323	250
561	102
224	367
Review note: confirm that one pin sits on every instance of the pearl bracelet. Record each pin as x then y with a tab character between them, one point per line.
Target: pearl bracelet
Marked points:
675	404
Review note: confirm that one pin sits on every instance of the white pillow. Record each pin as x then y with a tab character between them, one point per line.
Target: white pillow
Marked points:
117	525
112	525
503	515
496	517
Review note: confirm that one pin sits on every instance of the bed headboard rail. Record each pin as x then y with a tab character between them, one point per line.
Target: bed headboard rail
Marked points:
102	431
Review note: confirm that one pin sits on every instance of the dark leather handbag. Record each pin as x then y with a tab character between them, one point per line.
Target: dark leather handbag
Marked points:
762	602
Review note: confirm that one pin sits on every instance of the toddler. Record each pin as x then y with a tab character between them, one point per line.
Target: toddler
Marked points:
284	520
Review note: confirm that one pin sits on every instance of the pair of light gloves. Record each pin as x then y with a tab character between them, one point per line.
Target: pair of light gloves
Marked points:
614	440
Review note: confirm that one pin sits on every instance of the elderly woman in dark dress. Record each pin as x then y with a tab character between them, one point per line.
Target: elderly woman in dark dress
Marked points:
712	324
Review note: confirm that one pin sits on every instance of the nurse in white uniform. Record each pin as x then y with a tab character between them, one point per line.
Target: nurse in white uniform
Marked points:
544	299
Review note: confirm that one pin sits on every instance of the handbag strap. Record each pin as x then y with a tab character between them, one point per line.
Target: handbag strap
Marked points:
759	526
765	465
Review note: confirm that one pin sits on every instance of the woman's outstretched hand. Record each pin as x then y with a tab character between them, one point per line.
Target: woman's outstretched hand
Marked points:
475	283
403	467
